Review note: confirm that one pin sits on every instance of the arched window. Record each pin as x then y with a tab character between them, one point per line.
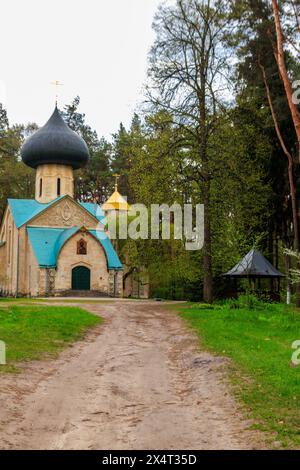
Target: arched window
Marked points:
82	247
58	186
41	187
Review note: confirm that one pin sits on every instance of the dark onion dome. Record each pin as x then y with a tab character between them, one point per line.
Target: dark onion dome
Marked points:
55	142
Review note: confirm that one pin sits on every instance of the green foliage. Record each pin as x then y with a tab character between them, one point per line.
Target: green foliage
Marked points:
16	179
248	301
240	155
193	145
254	40
155	176
94	182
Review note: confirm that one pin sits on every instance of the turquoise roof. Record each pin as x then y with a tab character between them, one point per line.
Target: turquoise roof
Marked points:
94	210
24	210
112	257
47	243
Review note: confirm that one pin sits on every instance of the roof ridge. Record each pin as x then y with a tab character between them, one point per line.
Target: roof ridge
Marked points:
254	263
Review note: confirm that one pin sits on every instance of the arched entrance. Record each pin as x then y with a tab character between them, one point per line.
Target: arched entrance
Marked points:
81	278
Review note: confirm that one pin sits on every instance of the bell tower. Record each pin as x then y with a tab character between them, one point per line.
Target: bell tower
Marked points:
55	151
53	180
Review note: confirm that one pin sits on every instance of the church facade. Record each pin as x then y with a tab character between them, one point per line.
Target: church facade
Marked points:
53	245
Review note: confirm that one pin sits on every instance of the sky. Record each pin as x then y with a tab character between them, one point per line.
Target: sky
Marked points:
96	48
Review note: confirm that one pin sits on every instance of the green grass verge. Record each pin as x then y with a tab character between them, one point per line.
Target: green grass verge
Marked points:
59	300
32	332
17	300
259	343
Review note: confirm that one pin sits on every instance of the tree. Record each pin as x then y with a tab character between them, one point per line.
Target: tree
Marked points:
155	176
187	67
123	142
16	179
280	58
260	80
92	183
243	153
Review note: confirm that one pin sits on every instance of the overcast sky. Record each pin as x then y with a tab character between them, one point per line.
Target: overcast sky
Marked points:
96	48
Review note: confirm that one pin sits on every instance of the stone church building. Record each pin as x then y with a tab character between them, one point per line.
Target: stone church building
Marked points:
52	244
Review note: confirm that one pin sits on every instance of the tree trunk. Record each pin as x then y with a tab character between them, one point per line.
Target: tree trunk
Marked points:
291	178
287	260
207	264
276	252
279	55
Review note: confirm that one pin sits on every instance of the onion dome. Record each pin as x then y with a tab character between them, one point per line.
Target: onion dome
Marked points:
55	142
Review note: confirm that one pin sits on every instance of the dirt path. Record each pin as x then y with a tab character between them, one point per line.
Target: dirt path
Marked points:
136	382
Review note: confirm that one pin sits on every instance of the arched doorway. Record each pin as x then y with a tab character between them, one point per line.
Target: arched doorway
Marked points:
81	278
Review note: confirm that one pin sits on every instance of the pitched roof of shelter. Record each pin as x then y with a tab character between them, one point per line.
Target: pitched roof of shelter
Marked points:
254	264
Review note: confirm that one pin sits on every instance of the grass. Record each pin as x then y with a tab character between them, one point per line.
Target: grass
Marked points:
49	299
73	301
4	300
33	332
258	340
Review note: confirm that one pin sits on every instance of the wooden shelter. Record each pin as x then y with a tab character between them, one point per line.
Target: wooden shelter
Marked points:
256	268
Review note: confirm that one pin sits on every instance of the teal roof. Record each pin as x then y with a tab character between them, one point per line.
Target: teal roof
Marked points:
113	260
47	243
94	210
24	210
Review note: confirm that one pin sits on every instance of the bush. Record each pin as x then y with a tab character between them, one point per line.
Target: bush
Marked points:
249	301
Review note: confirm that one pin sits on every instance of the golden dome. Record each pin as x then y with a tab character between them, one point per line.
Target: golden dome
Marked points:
116	201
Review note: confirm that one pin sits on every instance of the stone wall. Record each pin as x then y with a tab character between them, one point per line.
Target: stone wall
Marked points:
46	182
3	274
9	235
35	281
95	260
64	214
137	285
115	283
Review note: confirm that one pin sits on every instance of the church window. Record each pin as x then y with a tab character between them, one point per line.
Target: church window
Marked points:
82	247
41	187
58	186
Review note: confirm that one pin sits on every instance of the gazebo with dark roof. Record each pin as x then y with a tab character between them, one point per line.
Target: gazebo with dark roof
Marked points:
255	266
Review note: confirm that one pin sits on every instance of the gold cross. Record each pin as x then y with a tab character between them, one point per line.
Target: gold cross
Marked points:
56	84
116	183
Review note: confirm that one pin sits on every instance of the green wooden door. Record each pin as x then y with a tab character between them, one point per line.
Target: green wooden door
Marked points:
81	278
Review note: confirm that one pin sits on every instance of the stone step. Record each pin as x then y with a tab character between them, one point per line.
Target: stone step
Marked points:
82	293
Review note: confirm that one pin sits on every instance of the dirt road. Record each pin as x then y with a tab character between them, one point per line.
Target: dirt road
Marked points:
136	382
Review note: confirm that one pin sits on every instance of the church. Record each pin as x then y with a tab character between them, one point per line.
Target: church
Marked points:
53	245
